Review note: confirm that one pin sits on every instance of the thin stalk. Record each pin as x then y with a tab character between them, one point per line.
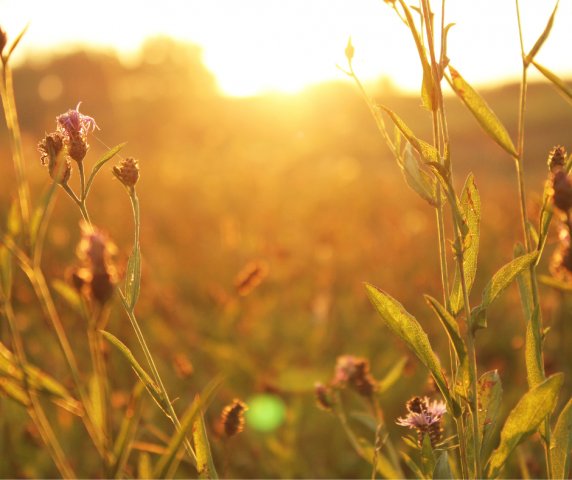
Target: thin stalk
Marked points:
519	163
381	429
35	409
99	377
11	115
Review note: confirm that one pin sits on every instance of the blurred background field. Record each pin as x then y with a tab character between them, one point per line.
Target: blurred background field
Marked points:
301	185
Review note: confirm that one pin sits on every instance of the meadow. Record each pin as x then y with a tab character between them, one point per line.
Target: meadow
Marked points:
300	192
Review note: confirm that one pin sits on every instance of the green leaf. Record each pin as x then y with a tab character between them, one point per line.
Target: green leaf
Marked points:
524	285
542	37
428	87
187	421
16	42
524	419
471	211
14	391
391	377
561	446
406	327
428	152
533	350
427	457
500	281
481	111
416	177
205	464
489	393
139	370
101	162
556	81
450	326
133	277
442	467
412	466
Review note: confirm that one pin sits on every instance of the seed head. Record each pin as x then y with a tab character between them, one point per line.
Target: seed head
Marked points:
556	158
425	417
98	273
127	172
51	155
354	372
250	277
3	40
232	418
562	190
324	397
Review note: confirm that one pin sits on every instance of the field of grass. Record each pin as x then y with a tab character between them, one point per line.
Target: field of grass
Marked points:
302	186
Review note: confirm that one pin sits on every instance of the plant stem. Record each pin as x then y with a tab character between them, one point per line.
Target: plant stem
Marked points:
35	409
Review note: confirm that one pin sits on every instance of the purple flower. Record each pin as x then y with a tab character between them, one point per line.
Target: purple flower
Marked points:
74	124
425	417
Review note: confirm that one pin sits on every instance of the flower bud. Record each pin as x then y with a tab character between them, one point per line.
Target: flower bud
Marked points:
127	172
556	158
232	418
562	187
51	150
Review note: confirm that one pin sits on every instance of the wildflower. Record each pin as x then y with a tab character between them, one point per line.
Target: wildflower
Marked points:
232	418
556	158
354	372
425	417
98	276
50	149
562	190
75	126
127	172
324	396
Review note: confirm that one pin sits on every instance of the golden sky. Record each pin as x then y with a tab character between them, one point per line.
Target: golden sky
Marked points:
255	46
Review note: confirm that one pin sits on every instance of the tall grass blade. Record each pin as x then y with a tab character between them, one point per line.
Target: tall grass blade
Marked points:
205	463
14	391
538	45
101	162
406	327
524	419
481	111
556	81
442	468
561	448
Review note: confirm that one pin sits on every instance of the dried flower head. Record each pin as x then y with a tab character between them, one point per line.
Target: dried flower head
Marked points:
74	126
562	190
556	158
127	172
354	372
51	155
3	40
232	418
250	277
98	274
324	397
425	417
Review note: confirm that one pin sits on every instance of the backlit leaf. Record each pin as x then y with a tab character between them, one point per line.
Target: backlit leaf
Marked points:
205	464
489	392
406	327
538	45
561	447
556	81
533	407
101	162
481	111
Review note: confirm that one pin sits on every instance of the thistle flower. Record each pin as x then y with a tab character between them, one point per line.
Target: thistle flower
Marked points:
51	155
425	417
556	158
98	275
354	372
75	126
232	418
127	172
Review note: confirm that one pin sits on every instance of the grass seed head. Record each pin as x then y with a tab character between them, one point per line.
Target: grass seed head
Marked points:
232	418
556	158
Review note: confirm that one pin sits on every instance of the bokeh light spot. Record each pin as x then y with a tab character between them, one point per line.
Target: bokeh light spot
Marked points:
50	87
265	412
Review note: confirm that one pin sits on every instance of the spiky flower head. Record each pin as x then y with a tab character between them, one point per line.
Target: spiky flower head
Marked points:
354	372
51	155
232	418
74	127
127	172
425	417
556	158
324	397
98	274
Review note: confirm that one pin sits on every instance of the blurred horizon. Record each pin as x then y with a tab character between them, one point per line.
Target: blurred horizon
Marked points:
256	47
